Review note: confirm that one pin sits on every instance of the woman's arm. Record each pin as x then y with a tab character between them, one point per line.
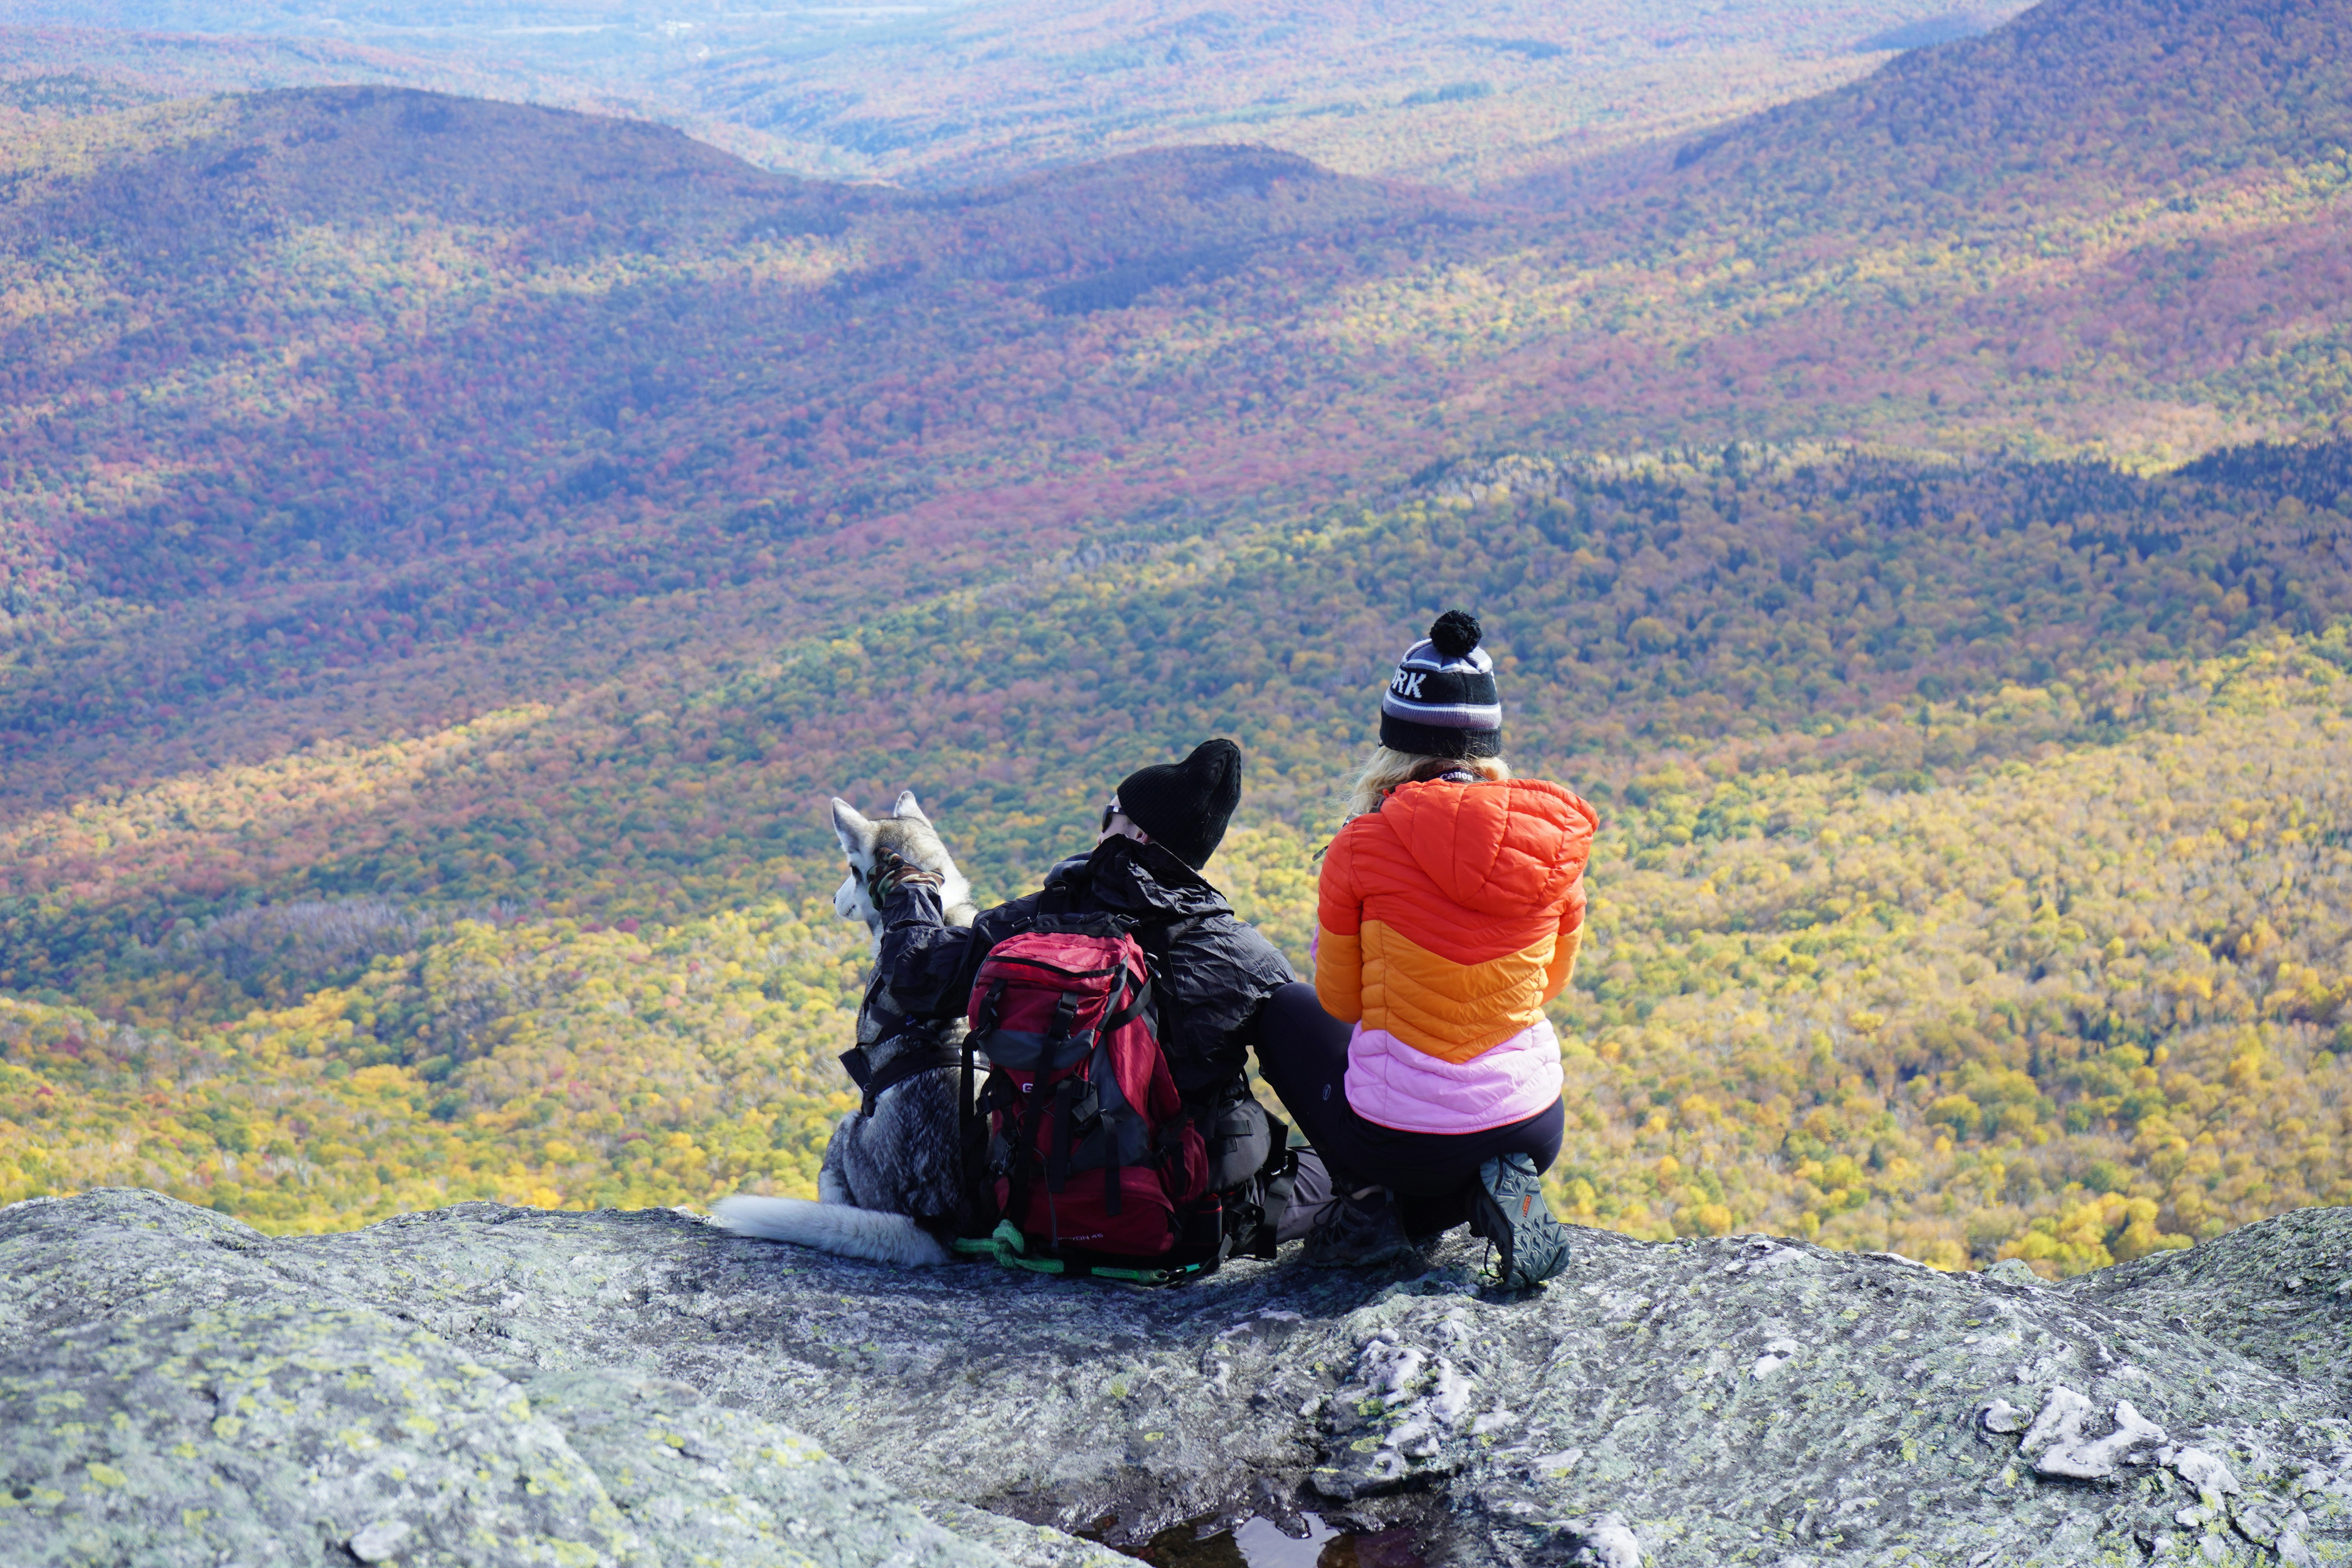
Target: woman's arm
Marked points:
1565	947
1340	934
930	965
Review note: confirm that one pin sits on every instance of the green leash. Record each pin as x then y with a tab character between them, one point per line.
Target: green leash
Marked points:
1008	1248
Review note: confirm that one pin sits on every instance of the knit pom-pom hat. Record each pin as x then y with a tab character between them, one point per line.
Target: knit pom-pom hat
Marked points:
1185	805
1442	701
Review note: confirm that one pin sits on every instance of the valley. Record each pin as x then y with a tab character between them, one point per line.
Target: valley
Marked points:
944	96
451	548
2002	912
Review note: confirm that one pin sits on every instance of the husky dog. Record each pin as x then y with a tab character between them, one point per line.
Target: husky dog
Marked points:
893	1172
908	834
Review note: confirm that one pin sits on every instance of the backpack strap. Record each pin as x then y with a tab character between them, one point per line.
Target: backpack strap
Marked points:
1138	1004
1276	1186
1056	896
1060	1130
983	1018
1022	1115
970	1151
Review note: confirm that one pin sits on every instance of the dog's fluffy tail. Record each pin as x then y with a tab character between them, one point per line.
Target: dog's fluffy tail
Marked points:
832	1227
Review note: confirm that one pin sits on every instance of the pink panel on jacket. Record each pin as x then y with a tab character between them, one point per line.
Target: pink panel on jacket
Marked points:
1391	1083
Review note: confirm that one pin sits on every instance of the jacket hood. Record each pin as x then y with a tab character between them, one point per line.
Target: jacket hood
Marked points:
1490	845
1141	880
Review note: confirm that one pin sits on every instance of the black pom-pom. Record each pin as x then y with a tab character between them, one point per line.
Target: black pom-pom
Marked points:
1455	633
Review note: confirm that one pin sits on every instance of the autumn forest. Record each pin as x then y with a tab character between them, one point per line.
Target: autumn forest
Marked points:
451	547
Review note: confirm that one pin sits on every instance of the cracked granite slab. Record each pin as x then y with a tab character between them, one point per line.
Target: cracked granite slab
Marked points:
486	1384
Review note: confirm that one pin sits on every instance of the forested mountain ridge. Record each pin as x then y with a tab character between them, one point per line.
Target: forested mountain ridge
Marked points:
50	73
947	95
2074	101
314	393
621	364
2124	197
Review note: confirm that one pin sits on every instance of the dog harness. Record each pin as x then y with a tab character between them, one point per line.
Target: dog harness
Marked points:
873	1082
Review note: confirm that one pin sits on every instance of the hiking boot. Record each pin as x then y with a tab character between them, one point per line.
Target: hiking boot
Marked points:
1358	1230
1508	1208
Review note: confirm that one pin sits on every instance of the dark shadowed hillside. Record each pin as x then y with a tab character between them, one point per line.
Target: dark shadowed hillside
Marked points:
311	345
240	173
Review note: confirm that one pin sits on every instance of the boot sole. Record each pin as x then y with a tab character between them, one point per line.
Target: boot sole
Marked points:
1534	1244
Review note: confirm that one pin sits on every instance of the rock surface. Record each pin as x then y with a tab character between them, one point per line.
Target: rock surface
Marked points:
485	1385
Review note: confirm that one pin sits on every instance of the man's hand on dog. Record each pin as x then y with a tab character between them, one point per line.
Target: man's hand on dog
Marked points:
891	873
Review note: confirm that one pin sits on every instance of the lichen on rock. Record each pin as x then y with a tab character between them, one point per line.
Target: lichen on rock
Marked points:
487	1384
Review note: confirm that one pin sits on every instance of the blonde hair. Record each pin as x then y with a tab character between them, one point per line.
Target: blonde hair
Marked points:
1385	769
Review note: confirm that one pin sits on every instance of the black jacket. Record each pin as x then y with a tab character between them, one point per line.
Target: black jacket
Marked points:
1210	972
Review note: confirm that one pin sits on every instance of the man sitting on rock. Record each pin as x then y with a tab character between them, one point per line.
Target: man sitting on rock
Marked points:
1211	972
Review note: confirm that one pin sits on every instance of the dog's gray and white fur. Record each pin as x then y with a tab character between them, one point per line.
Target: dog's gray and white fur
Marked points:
885	1174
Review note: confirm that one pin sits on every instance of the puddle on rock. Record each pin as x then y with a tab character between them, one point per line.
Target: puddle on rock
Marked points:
1259	1542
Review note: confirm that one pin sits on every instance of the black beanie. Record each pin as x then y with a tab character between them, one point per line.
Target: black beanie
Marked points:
1185	805
1442	701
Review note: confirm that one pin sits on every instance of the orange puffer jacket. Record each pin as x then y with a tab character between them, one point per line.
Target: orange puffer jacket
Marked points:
1446	920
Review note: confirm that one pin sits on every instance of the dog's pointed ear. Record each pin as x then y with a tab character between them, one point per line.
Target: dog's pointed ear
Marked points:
855	833
908	806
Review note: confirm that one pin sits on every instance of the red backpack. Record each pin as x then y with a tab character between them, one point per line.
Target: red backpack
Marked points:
1090	1164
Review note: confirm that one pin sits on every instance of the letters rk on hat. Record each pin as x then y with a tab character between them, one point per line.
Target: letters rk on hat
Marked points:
1442	701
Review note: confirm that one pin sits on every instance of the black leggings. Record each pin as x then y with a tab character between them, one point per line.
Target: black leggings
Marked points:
1303	1052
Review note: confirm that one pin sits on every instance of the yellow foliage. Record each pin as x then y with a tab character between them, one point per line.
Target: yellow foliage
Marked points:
723	1078
2029	1022
2106	1230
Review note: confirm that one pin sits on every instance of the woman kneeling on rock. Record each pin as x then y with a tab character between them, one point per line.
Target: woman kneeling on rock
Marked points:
1419	1063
